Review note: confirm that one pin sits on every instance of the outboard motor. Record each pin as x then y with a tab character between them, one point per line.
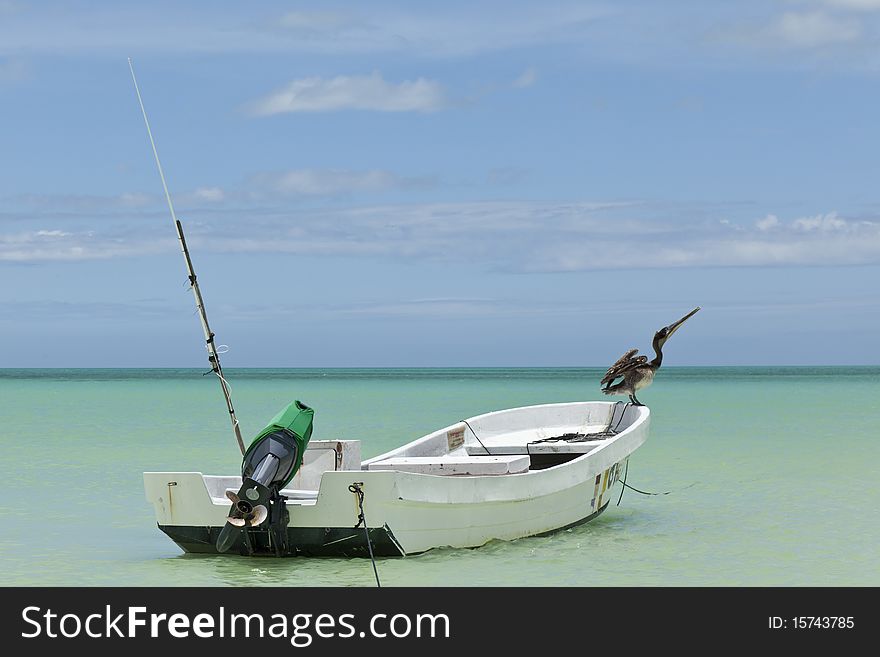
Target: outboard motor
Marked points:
269	464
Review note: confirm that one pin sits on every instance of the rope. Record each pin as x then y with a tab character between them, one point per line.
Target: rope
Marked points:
477	437
623	487
633	488
357	489
608	431
643	492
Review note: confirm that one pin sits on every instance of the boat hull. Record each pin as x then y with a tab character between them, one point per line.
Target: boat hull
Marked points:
317	541
302	541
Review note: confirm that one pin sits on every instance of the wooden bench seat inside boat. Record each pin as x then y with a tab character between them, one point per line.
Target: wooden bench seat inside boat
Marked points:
455	465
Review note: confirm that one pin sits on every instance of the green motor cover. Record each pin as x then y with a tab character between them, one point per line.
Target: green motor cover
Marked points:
296	418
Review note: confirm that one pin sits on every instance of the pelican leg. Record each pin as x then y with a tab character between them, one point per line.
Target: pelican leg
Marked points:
635	401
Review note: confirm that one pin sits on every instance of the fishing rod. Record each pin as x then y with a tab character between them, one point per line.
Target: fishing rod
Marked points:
213	354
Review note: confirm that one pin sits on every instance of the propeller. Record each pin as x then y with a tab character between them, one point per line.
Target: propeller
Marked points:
249	512
251	516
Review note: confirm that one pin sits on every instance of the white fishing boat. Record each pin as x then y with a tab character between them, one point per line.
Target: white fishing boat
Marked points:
499	476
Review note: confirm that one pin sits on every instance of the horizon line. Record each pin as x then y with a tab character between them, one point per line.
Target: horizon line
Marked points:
425	367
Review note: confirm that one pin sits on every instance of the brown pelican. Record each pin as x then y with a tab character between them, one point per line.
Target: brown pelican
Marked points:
636	372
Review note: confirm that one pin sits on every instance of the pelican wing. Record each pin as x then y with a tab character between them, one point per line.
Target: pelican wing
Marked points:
624	364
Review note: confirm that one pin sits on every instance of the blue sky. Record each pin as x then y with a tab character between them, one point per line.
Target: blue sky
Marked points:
441	184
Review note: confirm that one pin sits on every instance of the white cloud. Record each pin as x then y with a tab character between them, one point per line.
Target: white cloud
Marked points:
856	5
527	78
830	37
370	92
822	222
317	182
209	194
767	223
51	233
59	245
820	240
466	29
136	199
562	237
815	28
512	236
127	201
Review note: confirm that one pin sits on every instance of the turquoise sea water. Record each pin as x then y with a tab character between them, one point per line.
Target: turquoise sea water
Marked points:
772	474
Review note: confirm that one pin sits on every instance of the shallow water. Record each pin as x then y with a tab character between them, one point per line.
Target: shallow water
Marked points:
770	471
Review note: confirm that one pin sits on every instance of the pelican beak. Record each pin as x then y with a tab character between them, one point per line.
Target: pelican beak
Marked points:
672	328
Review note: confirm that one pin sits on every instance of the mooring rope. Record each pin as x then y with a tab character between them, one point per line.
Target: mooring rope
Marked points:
357	489
643	492
623	487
